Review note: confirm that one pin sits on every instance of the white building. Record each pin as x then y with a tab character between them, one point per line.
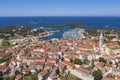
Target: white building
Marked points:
101	42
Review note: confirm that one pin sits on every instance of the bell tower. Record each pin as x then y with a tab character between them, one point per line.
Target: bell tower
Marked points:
101	42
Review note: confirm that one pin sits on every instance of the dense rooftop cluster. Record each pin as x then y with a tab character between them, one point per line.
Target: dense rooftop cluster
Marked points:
86	58
49	58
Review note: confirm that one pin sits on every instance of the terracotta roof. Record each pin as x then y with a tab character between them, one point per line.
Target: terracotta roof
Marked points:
60	65
118	77
3	66
39	63
13	60
44	72
84	70
51	59
87	52
68	64
105	78
115	45
101	64
49	64
69	57
26	69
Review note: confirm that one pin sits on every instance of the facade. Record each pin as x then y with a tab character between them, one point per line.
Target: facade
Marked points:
112	48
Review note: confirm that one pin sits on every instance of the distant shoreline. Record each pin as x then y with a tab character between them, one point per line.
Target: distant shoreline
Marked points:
59	16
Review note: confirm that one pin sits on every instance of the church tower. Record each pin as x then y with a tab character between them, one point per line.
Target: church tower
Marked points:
101	42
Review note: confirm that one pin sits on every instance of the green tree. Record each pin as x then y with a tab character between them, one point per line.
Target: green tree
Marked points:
27	51
110	62
6	58
97	75
92	65
62	59
5	43
31	77
77	61
101	59
85	61
1	75
9	78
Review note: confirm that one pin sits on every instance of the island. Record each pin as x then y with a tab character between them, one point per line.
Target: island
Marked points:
72	25
35	21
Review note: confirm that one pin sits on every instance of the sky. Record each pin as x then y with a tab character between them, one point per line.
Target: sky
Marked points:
59	7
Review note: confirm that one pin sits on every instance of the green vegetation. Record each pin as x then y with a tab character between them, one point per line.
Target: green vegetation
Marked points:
113	76
5	44
16	32
62	59
12	31
97	75
77	61
109	34
6	58
27	51
110	62
16	36
1	75
9	78
31	77
92	65
101	59
85	61
69	77
73	25
93	32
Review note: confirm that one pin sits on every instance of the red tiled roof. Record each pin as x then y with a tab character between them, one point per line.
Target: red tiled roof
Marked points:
39	63
101	64
118	77
13	60
3	66
44	72
26	69
51	59
69	64
49	64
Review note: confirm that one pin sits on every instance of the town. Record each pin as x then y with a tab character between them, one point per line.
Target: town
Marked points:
64	59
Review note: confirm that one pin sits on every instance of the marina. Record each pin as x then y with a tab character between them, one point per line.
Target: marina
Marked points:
76	33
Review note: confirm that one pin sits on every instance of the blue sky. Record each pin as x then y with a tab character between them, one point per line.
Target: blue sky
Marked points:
59	7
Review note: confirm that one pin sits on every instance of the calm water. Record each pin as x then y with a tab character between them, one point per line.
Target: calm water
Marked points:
91	22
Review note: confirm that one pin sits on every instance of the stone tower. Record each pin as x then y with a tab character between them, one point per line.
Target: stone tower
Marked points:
101	42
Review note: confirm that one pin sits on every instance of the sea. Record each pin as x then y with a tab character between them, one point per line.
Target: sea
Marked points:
40	22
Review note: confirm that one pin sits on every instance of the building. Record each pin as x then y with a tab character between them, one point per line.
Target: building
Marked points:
43	75
112	48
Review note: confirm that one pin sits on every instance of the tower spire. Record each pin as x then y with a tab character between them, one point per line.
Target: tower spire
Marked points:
101	41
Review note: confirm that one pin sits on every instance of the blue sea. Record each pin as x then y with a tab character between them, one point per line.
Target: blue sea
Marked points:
91	22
